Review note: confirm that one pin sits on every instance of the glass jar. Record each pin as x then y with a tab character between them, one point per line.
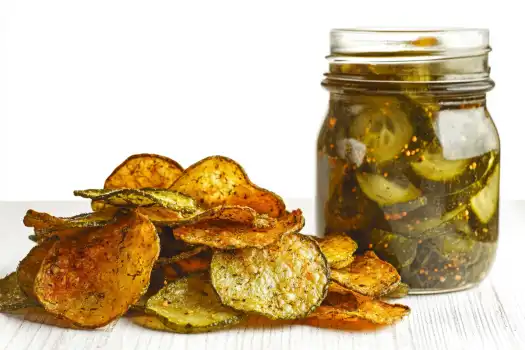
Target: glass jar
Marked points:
408	155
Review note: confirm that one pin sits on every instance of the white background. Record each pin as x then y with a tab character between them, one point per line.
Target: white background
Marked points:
84	84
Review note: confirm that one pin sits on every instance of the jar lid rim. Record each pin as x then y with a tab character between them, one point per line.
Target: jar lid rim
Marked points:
407	41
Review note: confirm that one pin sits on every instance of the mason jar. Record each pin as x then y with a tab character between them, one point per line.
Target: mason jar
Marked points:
408	154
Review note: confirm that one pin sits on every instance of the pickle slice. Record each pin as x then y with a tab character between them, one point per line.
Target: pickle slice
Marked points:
338	249
382	125
400	251
30	265
429	226
150	321
485	202
400	292
368	275
433	166
226	234
190	305
386	192
287	280
142	198
11	296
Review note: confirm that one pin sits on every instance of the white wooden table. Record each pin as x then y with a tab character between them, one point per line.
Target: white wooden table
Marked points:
491	316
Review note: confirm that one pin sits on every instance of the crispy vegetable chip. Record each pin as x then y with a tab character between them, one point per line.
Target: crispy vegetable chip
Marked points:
375	311
30	265
182	256
11	296
92	279
338	249
143	198
198	263
218	180
46	221
286	280
368	275
145	171
190	305
221	233
150	321
401	291
38	314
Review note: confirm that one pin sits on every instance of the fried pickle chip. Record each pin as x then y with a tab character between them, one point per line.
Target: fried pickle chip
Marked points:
45	221
338	249
286	280
401	291
368	275
182	256
29	266
145	171
94	278
190	305
12	298
221	233
374	311
218	180
197	263
147	197
150	321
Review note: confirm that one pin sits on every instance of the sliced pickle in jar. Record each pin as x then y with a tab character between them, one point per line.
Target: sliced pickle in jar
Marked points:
485	203
383	124
398	250
422	226
385	191
433	166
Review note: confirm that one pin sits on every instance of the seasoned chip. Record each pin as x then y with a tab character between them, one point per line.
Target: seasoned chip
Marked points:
190	305
46	221
218	180
338	249
401	291
11	296
44	234
30	265
38	314
375	311
92	279
225	234
143	198
150	321
145	171
286	280
182	256
198	263
368	275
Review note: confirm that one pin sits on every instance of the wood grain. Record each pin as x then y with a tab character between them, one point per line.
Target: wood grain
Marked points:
491	316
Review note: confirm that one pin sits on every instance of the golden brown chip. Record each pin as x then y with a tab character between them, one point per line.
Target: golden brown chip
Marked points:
218	180
38	314
368	275
179	257
150	321
94	278
145	171
198	263
375	311
12	299
400	291
225	233
338	249
46	221
30	265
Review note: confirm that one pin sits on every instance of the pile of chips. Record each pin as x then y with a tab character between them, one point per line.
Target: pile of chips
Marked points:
194	250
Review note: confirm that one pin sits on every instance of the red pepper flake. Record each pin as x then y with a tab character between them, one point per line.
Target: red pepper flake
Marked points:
331	122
